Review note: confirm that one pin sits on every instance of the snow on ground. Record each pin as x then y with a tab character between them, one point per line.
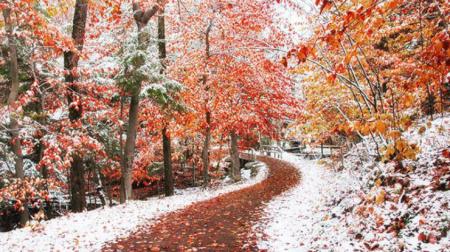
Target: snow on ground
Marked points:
368	205
294	220
89	231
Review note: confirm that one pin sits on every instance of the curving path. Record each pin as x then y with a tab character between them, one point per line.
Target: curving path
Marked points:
220	224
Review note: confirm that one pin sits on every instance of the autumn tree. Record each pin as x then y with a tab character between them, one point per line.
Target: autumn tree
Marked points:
12	100
230	53
142	18
71	58
167	151
35	41
384	59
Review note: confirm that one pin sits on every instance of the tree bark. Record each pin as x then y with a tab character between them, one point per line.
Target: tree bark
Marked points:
128	154
78	194
12	98
77	185
207	142
168	175
205	152
162	37
234	153
167	152
38	107
220	152
141	18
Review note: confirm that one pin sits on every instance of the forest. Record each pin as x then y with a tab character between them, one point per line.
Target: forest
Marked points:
221	125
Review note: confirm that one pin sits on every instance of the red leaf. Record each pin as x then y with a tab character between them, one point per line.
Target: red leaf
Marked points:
422	237
302	54
284	61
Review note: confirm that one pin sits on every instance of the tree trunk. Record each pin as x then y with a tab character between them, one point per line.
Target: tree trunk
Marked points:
12	98
220	152
162	37
207	142
167	152
78	197
141	18
234	153
77	185
39	148
168	176
128	154
430	102
205	151
126	183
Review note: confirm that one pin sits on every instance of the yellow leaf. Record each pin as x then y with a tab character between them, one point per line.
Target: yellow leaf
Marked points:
401	145
380	127
410	154
349	56
378	182
405	123
380	197
395	134
365	130
408	99
389	151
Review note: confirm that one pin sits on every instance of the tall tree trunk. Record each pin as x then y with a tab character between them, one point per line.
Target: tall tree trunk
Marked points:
168	175
77	185
78	194
141	18
128	153
39	148
430	102
234	153
207	142
205	151
12	98
167	152
220	152
162	37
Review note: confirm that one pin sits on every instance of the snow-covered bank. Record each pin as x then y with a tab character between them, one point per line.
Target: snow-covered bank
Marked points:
293	221
369	205
89	231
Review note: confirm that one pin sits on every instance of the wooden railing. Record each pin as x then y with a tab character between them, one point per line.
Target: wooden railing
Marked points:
317	152
270	151
251	154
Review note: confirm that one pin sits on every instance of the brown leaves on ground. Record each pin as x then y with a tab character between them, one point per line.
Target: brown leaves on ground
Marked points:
220	224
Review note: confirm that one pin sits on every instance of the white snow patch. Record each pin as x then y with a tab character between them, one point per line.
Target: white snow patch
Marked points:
59	114
294	219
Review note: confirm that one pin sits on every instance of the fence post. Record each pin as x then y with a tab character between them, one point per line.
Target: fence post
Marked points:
321	149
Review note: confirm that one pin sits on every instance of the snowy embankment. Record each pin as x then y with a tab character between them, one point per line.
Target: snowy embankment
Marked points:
368	205
89	231
293	221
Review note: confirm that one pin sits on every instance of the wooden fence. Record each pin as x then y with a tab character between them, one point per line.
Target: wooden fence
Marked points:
317	152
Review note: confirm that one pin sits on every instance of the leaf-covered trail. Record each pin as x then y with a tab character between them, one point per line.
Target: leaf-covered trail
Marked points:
220	224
